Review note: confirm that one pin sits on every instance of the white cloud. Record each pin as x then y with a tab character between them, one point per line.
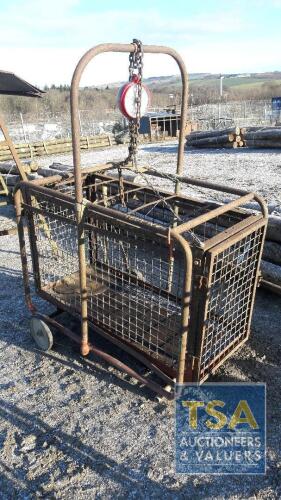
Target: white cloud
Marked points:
58	23
42	41
50	65
47	66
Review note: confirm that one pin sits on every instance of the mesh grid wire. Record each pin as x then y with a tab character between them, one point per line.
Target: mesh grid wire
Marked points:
140	298
231	294
105	191
134	287
56	243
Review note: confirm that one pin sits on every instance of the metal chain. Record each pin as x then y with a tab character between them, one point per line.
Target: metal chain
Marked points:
135	75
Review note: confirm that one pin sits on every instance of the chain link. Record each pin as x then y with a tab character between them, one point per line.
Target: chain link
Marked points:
135	75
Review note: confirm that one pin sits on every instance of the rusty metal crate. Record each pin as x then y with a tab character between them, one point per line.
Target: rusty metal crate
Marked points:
150	285
168	278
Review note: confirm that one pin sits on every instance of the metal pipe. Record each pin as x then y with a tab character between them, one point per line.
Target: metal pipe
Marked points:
108	358
188	263
23	254
74	94
13	150
210	185
75	125
214	213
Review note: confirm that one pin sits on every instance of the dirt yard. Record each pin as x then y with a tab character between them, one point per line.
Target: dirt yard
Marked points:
77	429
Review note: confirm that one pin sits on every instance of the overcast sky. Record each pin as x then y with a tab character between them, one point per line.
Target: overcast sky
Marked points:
42	40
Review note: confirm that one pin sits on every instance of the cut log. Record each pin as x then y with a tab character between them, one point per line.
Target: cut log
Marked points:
263	144
61	167
272	252
11	180
273	232
221	139
11	168
48	172
263	134
33	166
246	130
214	133
260	137
271	272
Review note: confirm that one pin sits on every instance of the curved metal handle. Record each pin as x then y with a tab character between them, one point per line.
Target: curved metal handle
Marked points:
84	61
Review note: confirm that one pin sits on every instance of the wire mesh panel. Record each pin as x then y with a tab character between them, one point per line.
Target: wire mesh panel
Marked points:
140	299
136	272
53	234
231	293
134	288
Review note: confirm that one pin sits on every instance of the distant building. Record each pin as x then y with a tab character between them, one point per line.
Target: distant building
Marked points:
160	124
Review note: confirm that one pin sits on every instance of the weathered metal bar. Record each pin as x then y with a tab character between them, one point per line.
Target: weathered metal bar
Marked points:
272	287
151	203
108	358
188	260
13	150
114	47
210	185
215	213
23	254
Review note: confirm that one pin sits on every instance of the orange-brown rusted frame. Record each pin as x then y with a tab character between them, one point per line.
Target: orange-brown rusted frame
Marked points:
75	125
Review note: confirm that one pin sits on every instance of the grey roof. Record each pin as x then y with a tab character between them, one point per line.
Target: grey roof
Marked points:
161	114
11	84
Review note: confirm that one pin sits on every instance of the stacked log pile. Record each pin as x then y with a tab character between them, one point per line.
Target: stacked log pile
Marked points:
258	137
271	258
226	138
10	173
55	146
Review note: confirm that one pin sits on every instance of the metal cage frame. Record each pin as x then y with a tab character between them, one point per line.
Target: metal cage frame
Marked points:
211	269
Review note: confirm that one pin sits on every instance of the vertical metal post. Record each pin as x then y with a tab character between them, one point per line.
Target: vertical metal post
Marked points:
23	254
22	126
221	79
75	125
188	262
80	123
13	150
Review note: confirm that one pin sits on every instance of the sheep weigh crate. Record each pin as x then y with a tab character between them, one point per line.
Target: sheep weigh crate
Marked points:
168	278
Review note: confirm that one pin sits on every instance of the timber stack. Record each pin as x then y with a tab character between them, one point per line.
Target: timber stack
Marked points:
225	138
271	258
262	137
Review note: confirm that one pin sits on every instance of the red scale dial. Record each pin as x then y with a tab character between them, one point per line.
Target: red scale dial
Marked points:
126	99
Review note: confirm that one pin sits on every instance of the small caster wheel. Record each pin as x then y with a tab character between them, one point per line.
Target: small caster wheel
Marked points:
41	333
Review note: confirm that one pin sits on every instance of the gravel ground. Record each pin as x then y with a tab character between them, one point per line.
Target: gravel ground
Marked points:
7	218
256	170
71	428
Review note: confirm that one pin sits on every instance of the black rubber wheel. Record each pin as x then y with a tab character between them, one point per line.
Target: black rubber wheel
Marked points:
41	334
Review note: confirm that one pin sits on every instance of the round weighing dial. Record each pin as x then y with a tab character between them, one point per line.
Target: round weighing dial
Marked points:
127	99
